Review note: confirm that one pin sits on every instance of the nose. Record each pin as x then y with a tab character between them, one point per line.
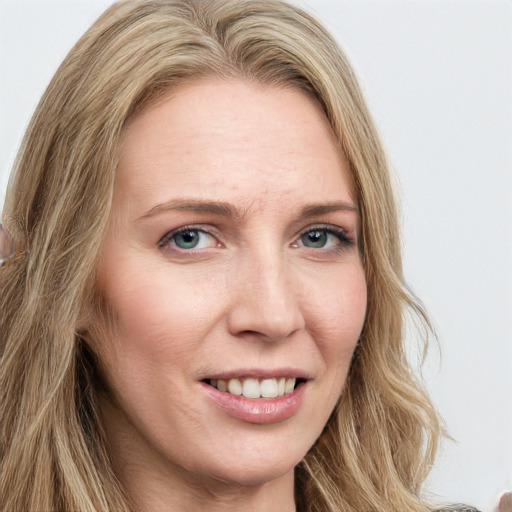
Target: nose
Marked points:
265	302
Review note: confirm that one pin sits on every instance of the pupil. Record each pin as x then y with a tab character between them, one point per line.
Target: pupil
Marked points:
315	238
187	240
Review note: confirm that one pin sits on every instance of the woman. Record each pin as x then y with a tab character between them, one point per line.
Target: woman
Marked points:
206	309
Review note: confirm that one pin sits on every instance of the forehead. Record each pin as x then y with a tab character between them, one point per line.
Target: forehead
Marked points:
230	138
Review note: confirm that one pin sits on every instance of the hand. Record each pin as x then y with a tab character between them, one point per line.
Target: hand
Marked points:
505	502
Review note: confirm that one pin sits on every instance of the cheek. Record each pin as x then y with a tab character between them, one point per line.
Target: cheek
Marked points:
338	313
341	301
160	323
154	305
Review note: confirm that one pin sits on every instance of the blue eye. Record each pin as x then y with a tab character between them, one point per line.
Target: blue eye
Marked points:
188	239
322	238
315	239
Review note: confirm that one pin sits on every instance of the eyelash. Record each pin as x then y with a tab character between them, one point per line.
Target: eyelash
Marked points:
167	238
345	241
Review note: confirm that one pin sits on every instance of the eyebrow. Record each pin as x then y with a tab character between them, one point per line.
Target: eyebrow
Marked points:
194	205
228	210
323	208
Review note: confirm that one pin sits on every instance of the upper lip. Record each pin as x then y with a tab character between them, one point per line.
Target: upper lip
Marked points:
260	373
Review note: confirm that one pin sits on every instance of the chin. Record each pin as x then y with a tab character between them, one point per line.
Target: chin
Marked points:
248	460
252	474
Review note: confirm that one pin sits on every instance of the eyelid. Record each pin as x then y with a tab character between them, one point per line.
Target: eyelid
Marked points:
166	239
345	238
340	232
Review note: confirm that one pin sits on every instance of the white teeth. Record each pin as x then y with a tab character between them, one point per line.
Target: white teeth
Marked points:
235	386
268	388
290	384
251	388
280	386
254	388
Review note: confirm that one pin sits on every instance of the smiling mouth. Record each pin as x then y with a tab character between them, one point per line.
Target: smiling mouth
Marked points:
256	388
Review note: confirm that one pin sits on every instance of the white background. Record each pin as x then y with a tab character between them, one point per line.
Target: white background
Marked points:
438	78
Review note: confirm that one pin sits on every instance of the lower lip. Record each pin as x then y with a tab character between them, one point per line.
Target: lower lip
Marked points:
258	410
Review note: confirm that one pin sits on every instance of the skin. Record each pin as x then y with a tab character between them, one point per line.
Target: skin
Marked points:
254	294
505	502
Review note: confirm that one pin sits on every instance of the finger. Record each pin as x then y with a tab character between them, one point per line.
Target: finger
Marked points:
505	502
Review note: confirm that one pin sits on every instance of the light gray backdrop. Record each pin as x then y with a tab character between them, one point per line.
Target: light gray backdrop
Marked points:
438	78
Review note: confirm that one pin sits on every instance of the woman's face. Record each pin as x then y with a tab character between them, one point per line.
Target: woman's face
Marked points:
231	266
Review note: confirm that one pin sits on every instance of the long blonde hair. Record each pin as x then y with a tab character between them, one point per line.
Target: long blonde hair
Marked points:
379	443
